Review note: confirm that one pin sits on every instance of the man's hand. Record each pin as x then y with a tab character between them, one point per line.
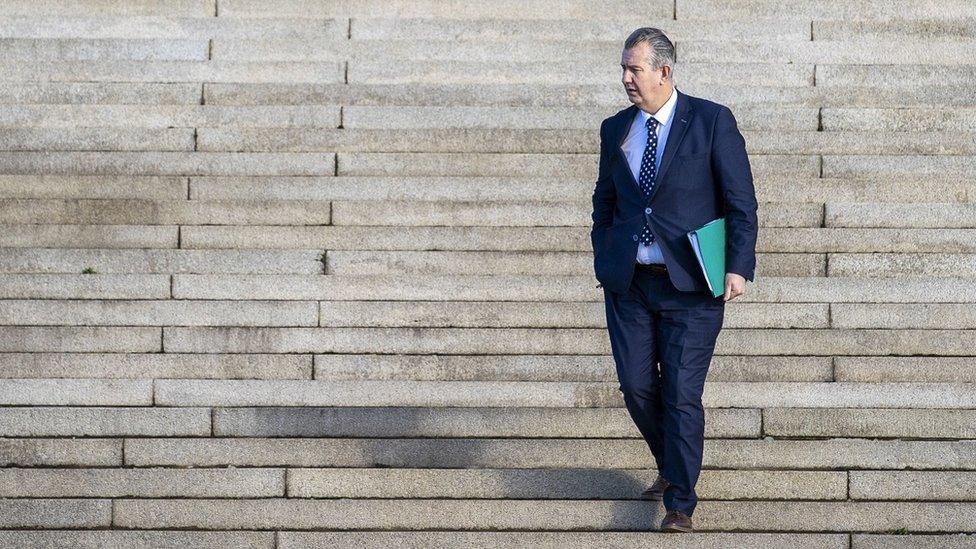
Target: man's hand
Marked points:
735	285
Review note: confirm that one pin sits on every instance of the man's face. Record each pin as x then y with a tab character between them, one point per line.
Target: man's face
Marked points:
645	86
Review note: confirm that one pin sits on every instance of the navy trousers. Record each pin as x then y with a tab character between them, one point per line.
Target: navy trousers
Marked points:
662	341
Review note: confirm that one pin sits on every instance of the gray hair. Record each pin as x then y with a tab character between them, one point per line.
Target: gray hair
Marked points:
662	49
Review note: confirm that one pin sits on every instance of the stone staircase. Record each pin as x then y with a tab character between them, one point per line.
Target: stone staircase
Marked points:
317	274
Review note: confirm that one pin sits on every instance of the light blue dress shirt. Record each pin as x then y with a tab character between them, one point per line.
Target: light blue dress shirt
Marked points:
633	148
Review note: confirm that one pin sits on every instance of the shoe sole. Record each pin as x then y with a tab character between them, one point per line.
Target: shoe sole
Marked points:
676	528
653	496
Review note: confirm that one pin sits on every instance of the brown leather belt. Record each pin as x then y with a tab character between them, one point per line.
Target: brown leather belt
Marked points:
653	268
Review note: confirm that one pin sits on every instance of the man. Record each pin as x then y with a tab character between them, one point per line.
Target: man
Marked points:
669	163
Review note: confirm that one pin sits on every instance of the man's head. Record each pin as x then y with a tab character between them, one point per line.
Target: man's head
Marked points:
647	64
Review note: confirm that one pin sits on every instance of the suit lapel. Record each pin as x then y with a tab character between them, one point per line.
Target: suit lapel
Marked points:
623	130
679	124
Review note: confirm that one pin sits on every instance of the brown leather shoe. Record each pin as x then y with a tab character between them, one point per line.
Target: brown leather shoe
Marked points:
676	521
656	490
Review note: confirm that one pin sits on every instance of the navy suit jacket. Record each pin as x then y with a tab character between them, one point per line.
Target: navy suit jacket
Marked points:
704	174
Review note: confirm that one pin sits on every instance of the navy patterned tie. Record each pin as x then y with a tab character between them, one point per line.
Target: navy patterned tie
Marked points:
647	171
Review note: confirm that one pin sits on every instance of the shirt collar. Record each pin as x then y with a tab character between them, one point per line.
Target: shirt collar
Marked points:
663	115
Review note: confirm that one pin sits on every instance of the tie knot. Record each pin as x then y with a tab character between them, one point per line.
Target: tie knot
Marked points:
651	122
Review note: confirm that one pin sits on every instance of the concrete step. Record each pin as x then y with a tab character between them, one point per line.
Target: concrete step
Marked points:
450	9
517	314
567	367
328	49
904	369
577	423
250	482
461	213
80	392
493	394
384	422
912	27
548	239
85	286
15	211
769	188
129	93
749	117
580	94
505	214
154	365
740	315
96	139
481	164
837	453
488	367
617	540
945	316
372	71
89	236
891	75
779	138
175	25
119	539
168	116
476	288
363	164
167	163
116	312
478	139
185	8
531	214
855	50
103	421
898	167
399	422
867	240
95	186
87	49
425	514
724	367
833	9
172	71
910	121
761	49
80	339
931	214
535	341
473	263
56	513
588	28
145	539
170	261
343	262
571	484
849	422
911	485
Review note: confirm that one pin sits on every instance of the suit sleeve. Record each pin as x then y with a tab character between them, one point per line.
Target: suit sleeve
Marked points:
604	193
731	165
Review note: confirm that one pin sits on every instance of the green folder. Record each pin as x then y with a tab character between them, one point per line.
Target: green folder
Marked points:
708	241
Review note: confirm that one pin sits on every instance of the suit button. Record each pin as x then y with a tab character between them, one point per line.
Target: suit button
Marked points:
647	210
635	237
